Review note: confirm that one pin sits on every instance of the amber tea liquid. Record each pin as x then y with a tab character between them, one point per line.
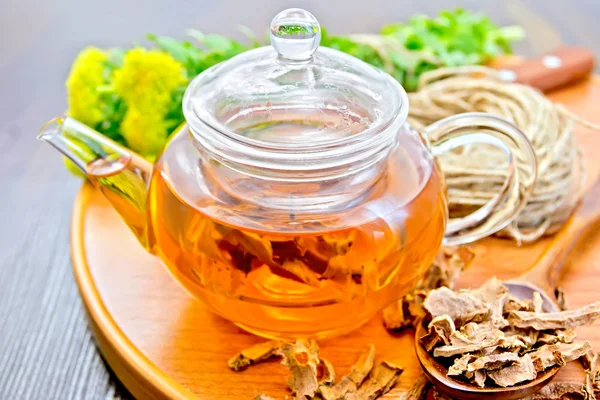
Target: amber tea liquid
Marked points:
285	274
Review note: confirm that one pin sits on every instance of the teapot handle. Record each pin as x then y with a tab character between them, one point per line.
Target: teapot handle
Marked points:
488	129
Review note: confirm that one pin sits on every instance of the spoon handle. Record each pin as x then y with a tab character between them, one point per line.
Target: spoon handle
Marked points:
547	267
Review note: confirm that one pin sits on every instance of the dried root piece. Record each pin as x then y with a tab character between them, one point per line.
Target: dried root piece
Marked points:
523	339
493	293
514	304
453	350
462	307
440	330
405	312
479	377
363	366
301	359
558	354
339	390
521	370
325	372
439	395
451	261
473	334
561	299
351	382
558	391
557	336
380	381
394	316
559	320
591	376
418	391
254	354
493	362
461	365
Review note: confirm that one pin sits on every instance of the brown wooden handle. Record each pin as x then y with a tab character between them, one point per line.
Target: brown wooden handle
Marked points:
558	68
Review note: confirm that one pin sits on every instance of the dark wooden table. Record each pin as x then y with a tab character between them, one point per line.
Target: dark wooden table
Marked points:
46	351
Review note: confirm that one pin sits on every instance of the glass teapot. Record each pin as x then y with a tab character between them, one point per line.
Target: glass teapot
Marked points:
297	201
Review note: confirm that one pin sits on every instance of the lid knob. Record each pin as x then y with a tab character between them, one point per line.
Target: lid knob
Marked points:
295	34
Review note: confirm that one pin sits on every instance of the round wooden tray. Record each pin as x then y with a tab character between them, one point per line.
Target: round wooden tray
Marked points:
161	343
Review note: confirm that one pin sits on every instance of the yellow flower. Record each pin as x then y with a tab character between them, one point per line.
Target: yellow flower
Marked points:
145	133
87	74
147	82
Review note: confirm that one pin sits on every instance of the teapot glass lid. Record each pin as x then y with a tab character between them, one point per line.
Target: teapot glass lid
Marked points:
293	93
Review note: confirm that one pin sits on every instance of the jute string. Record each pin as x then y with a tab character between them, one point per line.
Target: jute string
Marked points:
474	174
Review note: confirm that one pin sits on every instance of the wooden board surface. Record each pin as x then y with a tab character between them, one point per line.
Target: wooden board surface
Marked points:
163	344
47	350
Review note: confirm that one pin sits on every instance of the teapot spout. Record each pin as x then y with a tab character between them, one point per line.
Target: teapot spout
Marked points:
120	175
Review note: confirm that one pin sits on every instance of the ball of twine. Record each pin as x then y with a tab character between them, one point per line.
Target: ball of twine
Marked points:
475	174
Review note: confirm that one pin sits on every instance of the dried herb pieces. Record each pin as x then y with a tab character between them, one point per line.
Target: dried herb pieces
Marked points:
449	264
445	271
461	307
394	316
454	350
558	391
440	330
559	335
303	259
405	312
561	299
559	354
418	391
493	293
521	370
516	338
254	354
301	359
325	372
559	320
514	304
314	378
461	365
339	390
489	337
474	334
440	396
493	361
479	377
380	381
590	385
350	383
363	366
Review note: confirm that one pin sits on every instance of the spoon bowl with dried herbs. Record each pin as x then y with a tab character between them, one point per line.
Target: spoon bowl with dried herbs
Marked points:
437	374
485	342
507	340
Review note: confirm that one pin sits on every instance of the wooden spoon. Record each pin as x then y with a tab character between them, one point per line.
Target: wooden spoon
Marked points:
542	278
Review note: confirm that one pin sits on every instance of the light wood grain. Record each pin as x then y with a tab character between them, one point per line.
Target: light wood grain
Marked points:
161	342
46	350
